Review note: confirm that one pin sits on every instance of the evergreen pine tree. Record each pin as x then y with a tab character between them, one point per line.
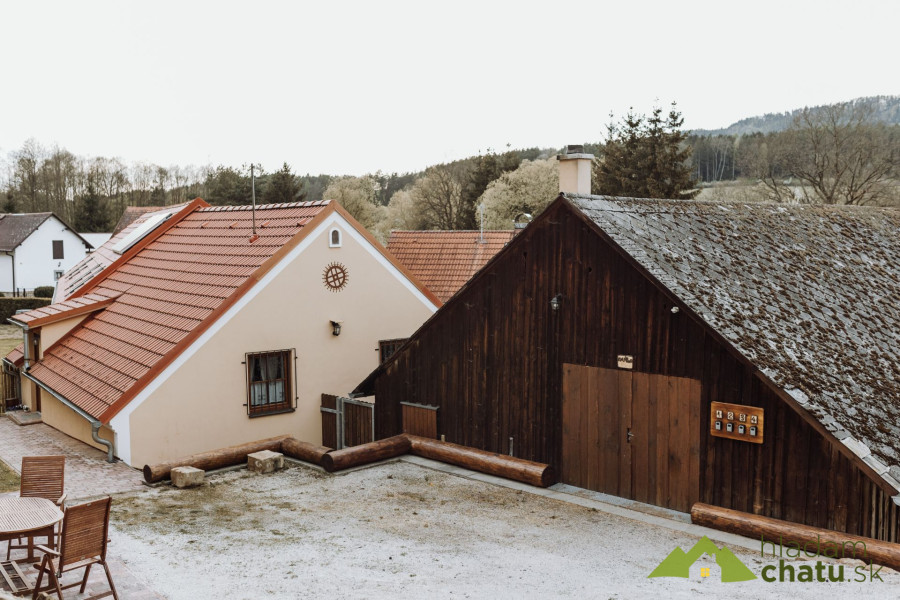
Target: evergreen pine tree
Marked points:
91	215
645	157
283	186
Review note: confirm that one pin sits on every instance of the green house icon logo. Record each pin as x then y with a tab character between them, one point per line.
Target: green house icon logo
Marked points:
678	562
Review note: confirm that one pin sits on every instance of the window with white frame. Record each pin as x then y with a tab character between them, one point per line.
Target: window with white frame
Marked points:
334	238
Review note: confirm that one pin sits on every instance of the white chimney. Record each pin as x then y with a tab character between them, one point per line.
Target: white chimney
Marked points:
575	170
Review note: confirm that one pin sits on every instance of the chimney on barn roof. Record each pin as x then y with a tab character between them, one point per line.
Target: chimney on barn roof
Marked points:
575	170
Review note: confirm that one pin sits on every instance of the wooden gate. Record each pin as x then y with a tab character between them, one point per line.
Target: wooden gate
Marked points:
346	422
633	435
419	419
9	388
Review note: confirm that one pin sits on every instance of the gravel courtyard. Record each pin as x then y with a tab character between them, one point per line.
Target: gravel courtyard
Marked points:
400	530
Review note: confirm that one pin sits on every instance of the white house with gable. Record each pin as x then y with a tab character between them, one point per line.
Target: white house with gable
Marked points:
36	249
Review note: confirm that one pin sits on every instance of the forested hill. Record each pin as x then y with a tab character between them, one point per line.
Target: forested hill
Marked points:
885	109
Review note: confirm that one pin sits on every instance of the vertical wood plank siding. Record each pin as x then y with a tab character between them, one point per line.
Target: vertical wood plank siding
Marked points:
329	421
357	424
420	421
492	358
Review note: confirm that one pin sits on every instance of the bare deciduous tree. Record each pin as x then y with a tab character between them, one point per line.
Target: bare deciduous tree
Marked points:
840	154
439	195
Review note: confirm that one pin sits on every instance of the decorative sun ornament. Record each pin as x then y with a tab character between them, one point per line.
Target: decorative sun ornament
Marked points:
335	277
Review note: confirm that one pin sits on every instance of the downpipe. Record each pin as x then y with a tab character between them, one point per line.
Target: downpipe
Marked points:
95	435
95	424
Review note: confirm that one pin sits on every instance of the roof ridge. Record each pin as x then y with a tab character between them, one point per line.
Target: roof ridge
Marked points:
486	231
246	207
741	203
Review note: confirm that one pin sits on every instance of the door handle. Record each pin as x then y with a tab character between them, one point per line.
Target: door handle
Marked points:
629	435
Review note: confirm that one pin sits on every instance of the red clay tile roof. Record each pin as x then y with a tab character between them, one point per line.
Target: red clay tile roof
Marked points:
66	310
16	355
98	260
444	261
133	213
172	286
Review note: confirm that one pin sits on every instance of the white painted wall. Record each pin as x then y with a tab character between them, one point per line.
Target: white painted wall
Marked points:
34	257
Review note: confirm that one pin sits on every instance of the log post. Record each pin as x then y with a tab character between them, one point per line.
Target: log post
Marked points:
781	532
303	450
354	456
508	467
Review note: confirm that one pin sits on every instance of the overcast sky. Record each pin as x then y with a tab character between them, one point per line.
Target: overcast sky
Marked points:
353	87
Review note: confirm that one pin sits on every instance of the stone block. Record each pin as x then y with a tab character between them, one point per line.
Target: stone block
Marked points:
265	461
185	477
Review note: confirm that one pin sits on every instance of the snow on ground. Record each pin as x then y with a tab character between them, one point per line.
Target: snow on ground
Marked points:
399	530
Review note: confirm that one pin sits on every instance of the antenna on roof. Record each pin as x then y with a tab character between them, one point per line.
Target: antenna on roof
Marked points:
253	195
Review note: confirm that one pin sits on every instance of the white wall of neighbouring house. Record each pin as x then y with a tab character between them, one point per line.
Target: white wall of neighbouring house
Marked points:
198	402
34	262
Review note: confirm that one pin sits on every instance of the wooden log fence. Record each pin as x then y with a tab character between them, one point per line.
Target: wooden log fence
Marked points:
781	532
354	456
234	455
517	469
508	467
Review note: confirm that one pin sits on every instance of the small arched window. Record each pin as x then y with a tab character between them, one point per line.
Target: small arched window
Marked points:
334	238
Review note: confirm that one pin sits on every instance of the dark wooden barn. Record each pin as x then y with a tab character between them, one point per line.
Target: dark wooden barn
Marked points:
740	355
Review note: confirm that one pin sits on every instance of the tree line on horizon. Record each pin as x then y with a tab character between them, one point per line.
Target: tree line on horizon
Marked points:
838	154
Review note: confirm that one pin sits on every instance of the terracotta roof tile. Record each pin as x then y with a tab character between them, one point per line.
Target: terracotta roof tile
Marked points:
16	355
67	309
444	261
167	291
94	263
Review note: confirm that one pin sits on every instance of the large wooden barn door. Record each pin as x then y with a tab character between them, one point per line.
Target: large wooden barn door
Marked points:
633	435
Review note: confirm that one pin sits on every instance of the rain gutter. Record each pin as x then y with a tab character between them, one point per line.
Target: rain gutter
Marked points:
95	423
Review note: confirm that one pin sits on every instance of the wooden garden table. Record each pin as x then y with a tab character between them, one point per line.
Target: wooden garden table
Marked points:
28	517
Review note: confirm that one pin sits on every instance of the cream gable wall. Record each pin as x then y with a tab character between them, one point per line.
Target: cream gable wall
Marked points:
197	403
52	333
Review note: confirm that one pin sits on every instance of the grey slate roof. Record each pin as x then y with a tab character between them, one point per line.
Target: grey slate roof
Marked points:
15	229
809	294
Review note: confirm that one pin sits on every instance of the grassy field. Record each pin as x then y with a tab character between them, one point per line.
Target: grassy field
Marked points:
9	479
10	337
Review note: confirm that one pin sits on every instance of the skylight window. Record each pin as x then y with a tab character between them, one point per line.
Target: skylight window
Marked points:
140	232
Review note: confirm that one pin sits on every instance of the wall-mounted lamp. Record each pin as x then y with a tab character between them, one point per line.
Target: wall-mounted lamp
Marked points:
555	301
674	310
335	328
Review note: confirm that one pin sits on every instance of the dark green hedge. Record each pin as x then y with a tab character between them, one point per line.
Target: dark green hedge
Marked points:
43	291
9	306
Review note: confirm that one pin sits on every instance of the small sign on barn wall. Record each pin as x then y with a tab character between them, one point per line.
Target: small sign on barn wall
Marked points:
736	422
626	361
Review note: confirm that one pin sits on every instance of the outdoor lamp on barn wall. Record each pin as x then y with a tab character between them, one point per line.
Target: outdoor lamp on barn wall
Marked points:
555	301
335	328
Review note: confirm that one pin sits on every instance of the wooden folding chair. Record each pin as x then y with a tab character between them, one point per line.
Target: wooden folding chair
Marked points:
41	477
82	544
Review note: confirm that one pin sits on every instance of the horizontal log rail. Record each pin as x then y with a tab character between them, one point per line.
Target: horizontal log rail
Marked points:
508	467
354	456
234	455
780	533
